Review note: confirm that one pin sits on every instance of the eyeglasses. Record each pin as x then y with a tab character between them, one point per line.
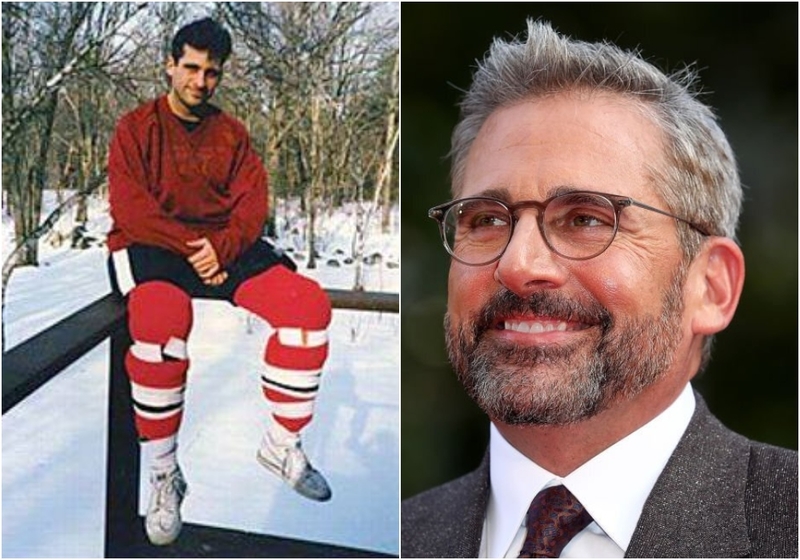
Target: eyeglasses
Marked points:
577	225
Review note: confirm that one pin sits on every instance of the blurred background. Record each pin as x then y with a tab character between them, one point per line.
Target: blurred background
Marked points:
747	56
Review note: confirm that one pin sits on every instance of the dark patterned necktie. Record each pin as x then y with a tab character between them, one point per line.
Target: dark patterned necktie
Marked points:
554	517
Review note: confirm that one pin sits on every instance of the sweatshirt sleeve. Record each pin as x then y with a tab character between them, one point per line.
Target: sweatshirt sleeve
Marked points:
135	210
248	215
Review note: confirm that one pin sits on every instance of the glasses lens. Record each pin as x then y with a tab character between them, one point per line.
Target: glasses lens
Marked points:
580	225
477	231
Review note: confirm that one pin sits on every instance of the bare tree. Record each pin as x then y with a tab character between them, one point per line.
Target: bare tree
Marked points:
374	155
30	97
46	48
50	50
316	62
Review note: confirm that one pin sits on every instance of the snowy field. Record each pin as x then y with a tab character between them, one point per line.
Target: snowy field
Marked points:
53	459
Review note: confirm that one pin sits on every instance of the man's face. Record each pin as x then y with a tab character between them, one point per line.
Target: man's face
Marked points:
194	77
540	339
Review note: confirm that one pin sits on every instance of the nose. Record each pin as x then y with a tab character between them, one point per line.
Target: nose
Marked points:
200	79
528	264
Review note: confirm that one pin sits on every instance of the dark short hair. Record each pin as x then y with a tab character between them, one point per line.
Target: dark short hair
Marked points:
204	35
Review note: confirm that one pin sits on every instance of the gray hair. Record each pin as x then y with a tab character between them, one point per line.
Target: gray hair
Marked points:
699	181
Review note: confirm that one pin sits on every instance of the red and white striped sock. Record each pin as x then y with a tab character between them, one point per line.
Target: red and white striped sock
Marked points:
160	317
294	358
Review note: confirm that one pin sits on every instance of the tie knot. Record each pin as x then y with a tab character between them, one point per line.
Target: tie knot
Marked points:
555	516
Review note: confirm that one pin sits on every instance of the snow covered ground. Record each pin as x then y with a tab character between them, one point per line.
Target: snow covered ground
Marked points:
54	442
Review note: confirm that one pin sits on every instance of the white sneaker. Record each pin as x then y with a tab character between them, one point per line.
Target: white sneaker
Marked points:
163	521
291	464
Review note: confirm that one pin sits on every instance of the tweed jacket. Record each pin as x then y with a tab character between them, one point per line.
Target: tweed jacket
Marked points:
720	495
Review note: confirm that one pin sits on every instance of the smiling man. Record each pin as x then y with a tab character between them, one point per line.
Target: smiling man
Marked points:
188	199
592	237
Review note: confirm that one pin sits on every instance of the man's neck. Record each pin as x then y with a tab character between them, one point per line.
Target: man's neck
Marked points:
179	108
562	449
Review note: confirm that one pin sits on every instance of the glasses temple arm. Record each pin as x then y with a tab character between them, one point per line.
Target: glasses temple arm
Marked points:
694	226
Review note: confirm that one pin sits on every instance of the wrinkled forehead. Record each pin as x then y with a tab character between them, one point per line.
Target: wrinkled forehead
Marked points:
602	142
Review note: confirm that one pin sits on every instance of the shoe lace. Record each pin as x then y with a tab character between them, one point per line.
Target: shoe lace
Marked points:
294	464
165	488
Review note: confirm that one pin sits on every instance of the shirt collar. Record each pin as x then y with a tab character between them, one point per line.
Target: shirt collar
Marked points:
613	486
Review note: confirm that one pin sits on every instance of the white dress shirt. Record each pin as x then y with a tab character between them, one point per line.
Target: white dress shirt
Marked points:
613	486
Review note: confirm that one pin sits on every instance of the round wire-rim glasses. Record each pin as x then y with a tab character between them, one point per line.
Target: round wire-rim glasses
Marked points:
577	225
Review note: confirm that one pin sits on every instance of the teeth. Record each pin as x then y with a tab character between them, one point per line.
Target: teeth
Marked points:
534	327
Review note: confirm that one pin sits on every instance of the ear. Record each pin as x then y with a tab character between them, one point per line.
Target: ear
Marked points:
718	280
170	66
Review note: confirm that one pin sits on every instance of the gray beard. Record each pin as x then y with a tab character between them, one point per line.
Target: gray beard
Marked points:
563	384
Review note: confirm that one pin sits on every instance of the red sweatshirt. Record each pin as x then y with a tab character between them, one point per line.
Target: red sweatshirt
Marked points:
168	186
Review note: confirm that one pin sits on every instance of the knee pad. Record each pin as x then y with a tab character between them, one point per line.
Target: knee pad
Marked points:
286	299
159	318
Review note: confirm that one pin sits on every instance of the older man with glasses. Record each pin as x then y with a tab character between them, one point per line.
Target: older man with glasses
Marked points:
592	235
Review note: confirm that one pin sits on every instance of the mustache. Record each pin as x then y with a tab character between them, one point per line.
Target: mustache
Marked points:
546	304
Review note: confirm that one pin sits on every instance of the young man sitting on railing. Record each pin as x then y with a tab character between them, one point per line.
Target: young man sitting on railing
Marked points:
189	200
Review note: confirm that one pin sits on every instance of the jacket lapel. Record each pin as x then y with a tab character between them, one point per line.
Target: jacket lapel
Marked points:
697	508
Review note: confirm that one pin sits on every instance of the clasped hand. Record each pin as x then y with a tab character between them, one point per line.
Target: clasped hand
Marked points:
206	263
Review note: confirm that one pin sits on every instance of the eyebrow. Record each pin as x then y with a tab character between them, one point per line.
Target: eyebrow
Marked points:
564	189
197	66
500	193
504	195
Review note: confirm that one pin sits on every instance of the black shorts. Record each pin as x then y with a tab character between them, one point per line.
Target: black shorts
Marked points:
143	263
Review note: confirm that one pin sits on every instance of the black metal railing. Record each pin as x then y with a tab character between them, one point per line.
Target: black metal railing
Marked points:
31	364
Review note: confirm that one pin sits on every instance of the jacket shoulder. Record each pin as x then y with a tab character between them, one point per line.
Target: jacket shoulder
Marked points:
446	521
720	495
141	116
771	501
225	127
229	121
